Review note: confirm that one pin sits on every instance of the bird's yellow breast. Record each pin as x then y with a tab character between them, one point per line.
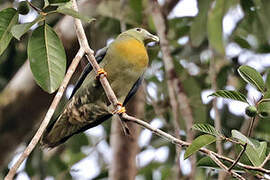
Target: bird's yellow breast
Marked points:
132	52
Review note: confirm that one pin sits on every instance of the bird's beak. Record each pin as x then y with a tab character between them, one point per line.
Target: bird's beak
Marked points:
151	38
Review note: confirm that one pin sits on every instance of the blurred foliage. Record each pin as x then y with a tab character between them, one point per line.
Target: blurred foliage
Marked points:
194	42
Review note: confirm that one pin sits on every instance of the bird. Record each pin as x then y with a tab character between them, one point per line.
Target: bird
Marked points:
124	62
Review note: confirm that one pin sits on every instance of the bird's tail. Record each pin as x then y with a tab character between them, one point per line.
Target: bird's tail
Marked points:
61	130
58	132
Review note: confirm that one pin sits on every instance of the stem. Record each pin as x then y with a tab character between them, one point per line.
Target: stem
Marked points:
238	157
34	7
47	117
245	145
251	127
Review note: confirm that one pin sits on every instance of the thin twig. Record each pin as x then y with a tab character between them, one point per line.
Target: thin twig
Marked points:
47	117
245	145
111	96
218	162
182	143
265	161
251	127
238	157
91	58
232	141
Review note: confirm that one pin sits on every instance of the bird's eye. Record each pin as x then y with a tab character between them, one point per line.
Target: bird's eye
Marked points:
138	29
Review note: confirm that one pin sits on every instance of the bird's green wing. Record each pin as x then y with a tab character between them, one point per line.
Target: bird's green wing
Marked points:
133	90
88	68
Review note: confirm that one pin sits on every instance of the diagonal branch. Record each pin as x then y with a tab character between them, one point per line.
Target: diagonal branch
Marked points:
85	48
181	143
47	117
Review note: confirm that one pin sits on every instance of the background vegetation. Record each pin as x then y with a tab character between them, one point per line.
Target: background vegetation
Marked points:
206	50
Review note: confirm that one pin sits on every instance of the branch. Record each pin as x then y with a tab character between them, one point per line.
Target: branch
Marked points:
245	145
22	95
218	162
182	143
85	48
47	117
265	161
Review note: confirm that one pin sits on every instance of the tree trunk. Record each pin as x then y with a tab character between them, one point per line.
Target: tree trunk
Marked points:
125	147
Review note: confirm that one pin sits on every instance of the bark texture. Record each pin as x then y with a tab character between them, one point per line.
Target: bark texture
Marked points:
124	147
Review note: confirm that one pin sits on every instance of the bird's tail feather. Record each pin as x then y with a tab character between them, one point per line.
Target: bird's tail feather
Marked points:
61	130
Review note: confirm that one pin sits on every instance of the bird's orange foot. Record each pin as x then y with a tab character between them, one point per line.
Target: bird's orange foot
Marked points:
101	71
121	110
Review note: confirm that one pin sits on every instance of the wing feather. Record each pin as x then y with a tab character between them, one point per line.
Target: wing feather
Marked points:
88	68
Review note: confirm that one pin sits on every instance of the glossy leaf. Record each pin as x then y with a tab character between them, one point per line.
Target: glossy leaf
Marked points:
47	58
251	76
8	18
206	128
234	95
198	143
256	154
73	13
238	135
20	29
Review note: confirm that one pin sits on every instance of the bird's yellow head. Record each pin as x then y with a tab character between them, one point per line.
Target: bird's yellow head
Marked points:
141	35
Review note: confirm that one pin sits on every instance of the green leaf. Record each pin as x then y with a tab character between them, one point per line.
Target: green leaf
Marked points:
230	95
238	135
47	58
20	29
57	2
73	13
242	42
267	82
251	76
264	109
197	143
206	128
8	18
198	28
256	154
214	26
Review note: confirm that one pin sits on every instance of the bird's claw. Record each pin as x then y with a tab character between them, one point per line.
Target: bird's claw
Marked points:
121	110
101	71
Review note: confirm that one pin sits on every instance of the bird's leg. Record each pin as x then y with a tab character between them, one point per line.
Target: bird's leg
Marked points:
121	111
101	71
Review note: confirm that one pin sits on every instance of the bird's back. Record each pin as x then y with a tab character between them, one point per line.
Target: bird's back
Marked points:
125	61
